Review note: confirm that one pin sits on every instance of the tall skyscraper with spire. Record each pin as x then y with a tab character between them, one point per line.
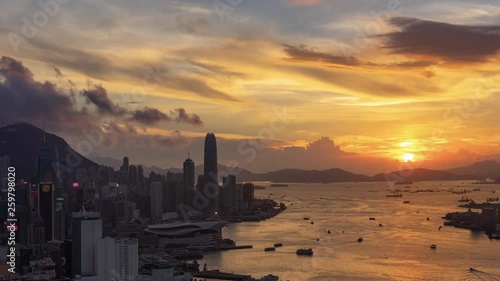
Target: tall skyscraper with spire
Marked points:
188	181
210	174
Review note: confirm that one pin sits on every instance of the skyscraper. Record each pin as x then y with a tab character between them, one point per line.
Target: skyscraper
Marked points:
106	258
156	199
46	208
127	258
210	175
229	192
188	181
87	229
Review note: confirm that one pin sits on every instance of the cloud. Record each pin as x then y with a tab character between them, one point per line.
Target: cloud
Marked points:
149	115
175	140
98	96
443	41
304	2
182	116
307	54
26	100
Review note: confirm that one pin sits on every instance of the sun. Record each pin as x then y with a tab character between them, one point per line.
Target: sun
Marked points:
407	157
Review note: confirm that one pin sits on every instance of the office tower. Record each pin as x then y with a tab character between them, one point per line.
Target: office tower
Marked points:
156	199
229	192
210	175
59	221
106	259
124	170
127	262
188	181
248	193
46	208
132	177
140	174
87	229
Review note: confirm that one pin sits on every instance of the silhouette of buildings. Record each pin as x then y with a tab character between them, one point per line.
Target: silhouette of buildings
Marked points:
87	229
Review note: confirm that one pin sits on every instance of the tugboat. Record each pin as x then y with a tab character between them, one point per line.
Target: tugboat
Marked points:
433	246
360	239
305	252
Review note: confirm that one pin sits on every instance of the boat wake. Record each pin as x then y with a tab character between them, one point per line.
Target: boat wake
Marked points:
475	274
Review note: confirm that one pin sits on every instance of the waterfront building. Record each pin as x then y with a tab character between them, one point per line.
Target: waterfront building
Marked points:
196	233
229	192
87	229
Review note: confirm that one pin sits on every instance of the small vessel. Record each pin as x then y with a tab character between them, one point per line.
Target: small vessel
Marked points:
406	202
396	194
372	219
464	199
428	219
360	239
380	224
433	246
306	218
278	245
269	249
312	222
305	252
279	185
329	231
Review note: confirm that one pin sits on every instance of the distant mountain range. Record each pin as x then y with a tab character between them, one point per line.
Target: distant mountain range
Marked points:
24	141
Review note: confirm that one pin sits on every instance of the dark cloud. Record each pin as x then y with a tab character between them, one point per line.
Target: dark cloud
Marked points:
58	72
304	53
307	54
98	96
26	100
447	42
182	116
149	115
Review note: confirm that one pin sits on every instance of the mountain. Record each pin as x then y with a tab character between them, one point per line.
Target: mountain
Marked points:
23	143
482	169
296	175
420	174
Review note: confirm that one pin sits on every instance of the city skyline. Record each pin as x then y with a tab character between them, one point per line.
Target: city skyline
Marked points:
289	79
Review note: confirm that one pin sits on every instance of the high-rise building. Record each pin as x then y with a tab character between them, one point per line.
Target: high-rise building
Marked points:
127	262
132	177
188	181
210	174
248	190
106	259
4	165
140	174
229	192
46	208
117	259
124	170
156	199
59	222
87	229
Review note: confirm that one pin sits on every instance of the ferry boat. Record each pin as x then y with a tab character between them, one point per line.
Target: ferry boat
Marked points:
305	252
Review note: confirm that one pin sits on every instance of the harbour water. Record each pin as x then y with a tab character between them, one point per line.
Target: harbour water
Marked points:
397	250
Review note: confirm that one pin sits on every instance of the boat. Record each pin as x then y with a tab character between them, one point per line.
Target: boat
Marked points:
395	194
269	249
329	231
372	219
380	224
433	246
360	239
306	218
312	222
278	245
406	202
279	185
305	252
428	219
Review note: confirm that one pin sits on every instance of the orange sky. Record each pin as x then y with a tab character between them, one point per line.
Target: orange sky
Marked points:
381	81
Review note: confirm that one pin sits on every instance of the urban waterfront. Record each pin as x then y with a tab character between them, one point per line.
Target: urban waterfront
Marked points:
397	250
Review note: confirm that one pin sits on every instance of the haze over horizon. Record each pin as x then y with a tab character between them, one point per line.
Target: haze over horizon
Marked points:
282	84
